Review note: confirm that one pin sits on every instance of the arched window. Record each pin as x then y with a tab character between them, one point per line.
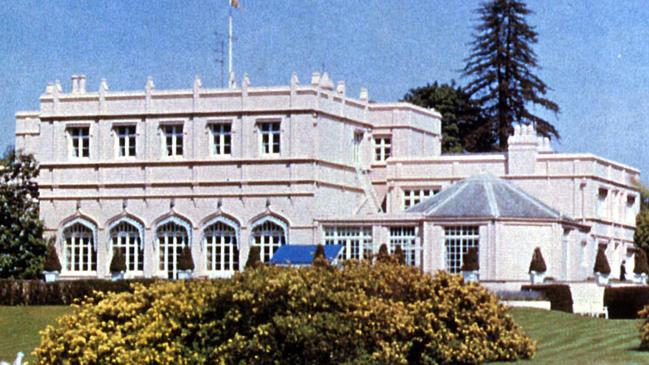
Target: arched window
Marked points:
79	248
268	236
172	236
222	252
126	237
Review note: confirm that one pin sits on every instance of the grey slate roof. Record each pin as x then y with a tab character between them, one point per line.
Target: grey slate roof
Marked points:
485	195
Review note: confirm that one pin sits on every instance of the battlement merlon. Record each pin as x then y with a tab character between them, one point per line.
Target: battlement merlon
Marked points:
320	96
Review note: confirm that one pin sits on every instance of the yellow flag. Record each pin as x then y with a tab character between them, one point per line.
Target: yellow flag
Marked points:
234	3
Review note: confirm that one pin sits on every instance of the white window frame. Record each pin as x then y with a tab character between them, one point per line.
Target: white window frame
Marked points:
79	248
220	138
83	142
177	133
274	134
128	238
172	236
123	137
457	241
357	241
414	196
221	245
382	148
268	234
407	238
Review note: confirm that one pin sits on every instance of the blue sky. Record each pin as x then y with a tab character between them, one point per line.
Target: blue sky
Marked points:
594	54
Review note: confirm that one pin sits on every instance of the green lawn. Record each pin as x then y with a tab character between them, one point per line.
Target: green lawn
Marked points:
19	327
561	338
568	339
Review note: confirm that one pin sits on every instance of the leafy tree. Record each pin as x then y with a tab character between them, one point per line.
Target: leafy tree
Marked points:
398	256
470	260
601	262
52	262
319	258
22	247
501	70
641	265
463	126
641	235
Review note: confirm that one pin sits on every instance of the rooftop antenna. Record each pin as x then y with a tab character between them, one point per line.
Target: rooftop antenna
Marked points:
234	4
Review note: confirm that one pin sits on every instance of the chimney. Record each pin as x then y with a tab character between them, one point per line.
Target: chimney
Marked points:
82	84
75	84
315	78
523	147
364	96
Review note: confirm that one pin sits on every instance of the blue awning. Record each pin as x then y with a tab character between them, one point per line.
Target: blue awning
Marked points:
297	254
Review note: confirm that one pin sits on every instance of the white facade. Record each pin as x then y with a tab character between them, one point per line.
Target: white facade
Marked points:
222	169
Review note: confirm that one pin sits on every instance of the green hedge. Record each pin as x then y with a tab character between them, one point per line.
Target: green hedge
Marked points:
625	302
558	295
37	292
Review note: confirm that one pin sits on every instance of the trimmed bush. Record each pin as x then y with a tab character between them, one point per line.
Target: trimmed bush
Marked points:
470	260
37	292
625	302
558	294
118	263
640	265
357	314
398	256
185	260
383	255
601	263
538	263
52	262
319	258
254	258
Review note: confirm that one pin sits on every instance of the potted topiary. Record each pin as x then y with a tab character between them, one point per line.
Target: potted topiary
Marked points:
602	269
641	268
537	267
383	255
319	258
470	265
254	258
117	266
51	265
185	264
399	256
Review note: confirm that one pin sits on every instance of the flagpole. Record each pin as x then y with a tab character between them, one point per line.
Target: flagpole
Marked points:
230	73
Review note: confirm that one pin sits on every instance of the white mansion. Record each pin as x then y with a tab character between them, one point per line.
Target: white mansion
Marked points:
150	171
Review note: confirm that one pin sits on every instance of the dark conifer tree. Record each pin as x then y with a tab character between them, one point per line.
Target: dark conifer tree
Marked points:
501	70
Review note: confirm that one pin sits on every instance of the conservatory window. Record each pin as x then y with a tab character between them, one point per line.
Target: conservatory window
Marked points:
79	142
78	249
126	141
268	236
458	240
222	253
221	139
269	138
126	238
171	237
173	140
415	196
406	237
356	241
382	148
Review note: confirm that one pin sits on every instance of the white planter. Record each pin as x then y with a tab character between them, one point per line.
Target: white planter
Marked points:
537	277
51	276
184	274
601	279
116	276
640	278
471	276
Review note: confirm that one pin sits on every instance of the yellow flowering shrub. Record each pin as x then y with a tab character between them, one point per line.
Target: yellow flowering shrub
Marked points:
358	314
